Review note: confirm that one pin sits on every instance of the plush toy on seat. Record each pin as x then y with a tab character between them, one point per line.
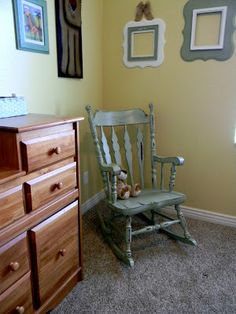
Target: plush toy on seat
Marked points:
124	191
135	190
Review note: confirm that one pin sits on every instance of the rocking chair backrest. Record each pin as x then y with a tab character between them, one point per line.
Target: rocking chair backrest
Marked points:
106	128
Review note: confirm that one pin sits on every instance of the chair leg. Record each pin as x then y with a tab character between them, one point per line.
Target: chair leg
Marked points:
186	238
153	217
183	224
128	240
182	221
124	256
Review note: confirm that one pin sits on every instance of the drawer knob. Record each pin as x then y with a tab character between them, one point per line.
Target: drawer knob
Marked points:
59	185
62	252
57	150
20	309
14	266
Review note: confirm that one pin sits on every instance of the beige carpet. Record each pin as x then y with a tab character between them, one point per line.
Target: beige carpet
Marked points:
168	277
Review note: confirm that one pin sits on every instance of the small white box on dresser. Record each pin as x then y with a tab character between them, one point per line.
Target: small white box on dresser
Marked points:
12	106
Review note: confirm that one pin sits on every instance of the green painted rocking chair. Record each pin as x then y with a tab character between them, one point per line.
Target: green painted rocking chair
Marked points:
132	127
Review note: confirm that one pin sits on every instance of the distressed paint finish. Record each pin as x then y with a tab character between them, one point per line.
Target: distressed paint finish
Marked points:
124	117
153	145
113	189
116	147
149	200
128	154
97	147
105	147
140	149
128	237
172	177
182	221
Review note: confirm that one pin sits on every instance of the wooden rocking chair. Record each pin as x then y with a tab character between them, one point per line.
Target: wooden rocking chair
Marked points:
108	130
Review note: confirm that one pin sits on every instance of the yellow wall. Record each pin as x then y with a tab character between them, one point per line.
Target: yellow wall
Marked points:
196	104
196	101
34	75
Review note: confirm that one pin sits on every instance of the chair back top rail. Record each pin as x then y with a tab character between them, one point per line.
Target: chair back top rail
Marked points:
116	118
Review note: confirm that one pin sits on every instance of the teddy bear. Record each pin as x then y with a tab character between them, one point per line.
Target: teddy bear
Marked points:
124	191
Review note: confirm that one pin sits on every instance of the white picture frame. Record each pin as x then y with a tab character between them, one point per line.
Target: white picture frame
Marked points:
223	11
156	28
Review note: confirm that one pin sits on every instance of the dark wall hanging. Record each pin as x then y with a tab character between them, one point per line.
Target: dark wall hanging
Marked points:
223	48
69	38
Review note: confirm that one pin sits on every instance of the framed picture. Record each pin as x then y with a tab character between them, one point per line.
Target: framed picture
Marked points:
69	38
144	43
31	25
218	43
208	30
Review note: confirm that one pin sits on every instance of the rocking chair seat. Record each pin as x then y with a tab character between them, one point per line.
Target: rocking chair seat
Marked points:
146	200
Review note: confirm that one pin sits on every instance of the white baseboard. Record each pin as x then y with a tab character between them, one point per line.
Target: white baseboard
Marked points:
190	212
92	201
212	217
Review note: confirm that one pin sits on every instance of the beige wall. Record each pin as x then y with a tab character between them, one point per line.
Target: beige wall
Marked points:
34	75
196	104
196	101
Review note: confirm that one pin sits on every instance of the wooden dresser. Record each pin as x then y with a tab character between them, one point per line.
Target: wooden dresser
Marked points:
40	220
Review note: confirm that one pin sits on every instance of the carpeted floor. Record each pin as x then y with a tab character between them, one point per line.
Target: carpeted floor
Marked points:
168	277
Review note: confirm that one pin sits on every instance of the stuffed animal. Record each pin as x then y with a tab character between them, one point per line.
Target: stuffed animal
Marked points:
124	191
135	190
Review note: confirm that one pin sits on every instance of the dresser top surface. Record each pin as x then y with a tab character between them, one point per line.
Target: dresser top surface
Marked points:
33	122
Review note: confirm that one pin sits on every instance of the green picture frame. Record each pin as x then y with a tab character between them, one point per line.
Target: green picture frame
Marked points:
224	49
142	30
155	28
31	26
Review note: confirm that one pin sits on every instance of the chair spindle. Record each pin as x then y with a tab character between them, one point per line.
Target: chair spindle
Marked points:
140	148
128	154
116	147
105	147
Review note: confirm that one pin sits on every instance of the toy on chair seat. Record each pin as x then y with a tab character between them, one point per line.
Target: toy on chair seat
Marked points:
124	191
135	190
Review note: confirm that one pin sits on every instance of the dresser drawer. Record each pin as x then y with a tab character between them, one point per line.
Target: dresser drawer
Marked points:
14	261
18	298
42	151
47	187
11	206
56	259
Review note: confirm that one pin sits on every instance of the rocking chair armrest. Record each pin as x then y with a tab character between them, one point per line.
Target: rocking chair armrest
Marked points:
114	169
110	172
177	161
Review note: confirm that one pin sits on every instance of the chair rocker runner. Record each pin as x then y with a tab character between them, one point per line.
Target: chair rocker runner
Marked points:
119	138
